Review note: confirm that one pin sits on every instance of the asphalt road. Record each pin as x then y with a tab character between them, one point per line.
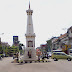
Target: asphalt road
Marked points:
52	66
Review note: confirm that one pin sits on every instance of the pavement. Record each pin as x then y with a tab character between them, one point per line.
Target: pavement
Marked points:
52	66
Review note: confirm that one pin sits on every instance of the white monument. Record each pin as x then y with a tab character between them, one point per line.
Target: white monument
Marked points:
30	52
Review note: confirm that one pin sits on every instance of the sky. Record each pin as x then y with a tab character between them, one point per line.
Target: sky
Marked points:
50	18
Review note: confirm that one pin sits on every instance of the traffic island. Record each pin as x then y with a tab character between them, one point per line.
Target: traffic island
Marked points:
21	61
36	61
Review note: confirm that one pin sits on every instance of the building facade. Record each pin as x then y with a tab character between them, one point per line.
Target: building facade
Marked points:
63	42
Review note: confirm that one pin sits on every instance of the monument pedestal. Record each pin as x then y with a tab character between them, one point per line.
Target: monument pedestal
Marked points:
33	55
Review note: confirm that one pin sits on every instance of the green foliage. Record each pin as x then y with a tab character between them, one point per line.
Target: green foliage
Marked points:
14	49
20	48
49	42
1	50
9	50
1	55
4	49
48	45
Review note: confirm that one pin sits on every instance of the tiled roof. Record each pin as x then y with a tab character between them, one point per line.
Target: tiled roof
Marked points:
55	40
62	36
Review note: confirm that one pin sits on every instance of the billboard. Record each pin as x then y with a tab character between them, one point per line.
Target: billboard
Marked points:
43	46
15	40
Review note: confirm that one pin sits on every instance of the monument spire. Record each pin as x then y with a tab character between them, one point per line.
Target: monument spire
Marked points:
29	21
29	4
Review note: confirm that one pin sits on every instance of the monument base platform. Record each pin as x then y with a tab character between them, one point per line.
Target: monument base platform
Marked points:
30	59
33	55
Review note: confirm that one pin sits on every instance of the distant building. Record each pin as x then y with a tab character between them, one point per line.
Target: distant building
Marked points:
5	44
54	43
43	47
69	34
63	42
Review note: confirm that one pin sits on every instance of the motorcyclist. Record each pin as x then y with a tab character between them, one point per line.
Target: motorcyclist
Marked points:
0	57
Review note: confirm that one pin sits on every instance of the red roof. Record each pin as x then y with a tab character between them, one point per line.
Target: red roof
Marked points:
64	35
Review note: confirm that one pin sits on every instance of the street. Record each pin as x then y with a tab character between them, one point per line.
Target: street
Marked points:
52	66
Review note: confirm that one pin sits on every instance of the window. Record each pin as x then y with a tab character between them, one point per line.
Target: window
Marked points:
63	54
70	52
58	53
54	53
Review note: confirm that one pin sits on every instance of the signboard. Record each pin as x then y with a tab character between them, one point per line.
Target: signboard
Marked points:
15	39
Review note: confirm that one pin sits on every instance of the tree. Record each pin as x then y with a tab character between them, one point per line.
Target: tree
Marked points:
14	50
1	50
48	45
20	48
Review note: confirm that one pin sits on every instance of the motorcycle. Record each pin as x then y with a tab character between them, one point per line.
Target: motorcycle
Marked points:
0	58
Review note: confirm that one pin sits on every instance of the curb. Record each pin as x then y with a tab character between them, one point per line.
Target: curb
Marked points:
33	62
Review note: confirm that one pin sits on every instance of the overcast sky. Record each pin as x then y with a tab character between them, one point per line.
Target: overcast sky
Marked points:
50	18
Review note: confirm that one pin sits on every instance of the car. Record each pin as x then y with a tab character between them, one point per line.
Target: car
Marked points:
61	55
